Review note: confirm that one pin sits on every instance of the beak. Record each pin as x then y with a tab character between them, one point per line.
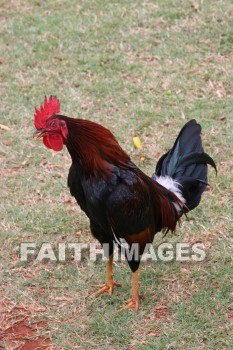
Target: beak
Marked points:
38	134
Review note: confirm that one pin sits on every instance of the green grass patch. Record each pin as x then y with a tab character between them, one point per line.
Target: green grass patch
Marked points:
141	69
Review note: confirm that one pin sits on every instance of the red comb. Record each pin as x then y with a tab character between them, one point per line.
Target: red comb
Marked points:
51	106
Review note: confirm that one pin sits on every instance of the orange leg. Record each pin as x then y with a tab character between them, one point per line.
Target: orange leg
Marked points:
134	301
110	284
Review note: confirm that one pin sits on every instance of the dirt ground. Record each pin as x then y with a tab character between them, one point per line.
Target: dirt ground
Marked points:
18	328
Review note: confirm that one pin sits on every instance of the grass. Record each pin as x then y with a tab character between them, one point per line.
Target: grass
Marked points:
141	69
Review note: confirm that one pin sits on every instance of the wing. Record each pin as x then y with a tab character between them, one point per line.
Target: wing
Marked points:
120	207
129	210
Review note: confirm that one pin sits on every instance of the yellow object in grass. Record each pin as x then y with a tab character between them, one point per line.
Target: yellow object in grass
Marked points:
137	142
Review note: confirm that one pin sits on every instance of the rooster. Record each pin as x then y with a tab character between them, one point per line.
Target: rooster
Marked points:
123	204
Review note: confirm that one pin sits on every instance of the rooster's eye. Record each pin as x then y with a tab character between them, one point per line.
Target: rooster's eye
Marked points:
53	124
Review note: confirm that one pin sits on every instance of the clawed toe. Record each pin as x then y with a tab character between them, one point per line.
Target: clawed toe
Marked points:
130	304
105	288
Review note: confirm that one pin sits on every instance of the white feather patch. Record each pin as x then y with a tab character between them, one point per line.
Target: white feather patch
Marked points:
173	186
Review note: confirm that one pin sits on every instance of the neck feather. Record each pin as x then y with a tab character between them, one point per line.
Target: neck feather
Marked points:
94	147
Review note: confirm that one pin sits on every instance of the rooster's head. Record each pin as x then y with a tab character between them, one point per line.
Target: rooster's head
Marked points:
49	125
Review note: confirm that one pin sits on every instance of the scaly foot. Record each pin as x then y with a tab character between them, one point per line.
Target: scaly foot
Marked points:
130	304
105	288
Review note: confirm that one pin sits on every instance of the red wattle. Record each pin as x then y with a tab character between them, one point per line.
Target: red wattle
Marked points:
46	142
53	141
